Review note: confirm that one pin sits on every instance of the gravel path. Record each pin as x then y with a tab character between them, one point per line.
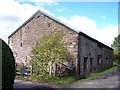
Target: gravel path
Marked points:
109	80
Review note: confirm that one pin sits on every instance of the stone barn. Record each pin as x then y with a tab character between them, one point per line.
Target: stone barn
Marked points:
89	54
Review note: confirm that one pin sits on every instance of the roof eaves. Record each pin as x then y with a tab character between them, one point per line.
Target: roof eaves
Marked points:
95	40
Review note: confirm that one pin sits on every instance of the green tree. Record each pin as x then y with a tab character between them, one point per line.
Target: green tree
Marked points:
49	49
7	65
116	47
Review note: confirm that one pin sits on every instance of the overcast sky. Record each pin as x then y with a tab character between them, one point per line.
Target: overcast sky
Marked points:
97	19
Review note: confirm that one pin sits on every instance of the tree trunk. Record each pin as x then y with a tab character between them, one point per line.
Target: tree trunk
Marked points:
55	69
50	72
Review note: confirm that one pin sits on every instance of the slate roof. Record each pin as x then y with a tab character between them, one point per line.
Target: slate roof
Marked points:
58	21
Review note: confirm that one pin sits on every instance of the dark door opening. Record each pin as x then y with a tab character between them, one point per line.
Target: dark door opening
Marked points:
85	64
91	64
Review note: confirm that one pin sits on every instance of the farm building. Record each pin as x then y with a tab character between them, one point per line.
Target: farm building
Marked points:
88	54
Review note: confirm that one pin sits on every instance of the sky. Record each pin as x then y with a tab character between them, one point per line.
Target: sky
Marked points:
96	19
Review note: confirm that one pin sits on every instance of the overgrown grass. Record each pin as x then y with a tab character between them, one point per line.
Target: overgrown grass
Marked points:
98	74
67	80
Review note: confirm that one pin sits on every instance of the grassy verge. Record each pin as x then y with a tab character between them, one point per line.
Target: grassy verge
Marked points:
67	80
97	74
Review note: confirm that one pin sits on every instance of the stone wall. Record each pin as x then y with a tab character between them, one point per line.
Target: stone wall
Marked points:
82	47
24	39
91	50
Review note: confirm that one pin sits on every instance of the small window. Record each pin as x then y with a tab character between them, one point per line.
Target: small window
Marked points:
21	45
28	27
70	42
48	24
107	61
38	16
89	53
99	59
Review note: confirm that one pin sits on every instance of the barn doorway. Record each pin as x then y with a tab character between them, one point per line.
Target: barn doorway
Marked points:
85	64
91	64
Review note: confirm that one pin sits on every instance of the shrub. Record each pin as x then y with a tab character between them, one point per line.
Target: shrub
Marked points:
49	50
8	65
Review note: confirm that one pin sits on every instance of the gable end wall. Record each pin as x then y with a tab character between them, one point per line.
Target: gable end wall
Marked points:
24	39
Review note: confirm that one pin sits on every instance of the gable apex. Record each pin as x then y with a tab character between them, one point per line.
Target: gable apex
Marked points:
47	15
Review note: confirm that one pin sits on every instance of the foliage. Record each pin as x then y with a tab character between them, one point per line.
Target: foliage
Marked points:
49	50
116	42
116	47
70	79
8	65
97	74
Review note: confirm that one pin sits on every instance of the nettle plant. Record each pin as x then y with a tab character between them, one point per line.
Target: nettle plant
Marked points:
48	51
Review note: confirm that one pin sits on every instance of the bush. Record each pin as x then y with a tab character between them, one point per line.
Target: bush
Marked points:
48	51
116	48
8	65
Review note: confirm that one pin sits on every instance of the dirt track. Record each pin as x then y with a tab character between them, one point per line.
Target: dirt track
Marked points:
109	80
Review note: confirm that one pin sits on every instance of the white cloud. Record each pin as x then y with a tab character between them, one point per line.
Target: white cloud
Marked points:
46	11
82	23
107	34
35	0
13	14
103	17
45	2
67	0
59	10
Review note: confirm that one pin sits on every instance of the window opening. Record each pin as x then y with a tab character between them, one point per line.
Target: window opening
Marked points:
99	59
